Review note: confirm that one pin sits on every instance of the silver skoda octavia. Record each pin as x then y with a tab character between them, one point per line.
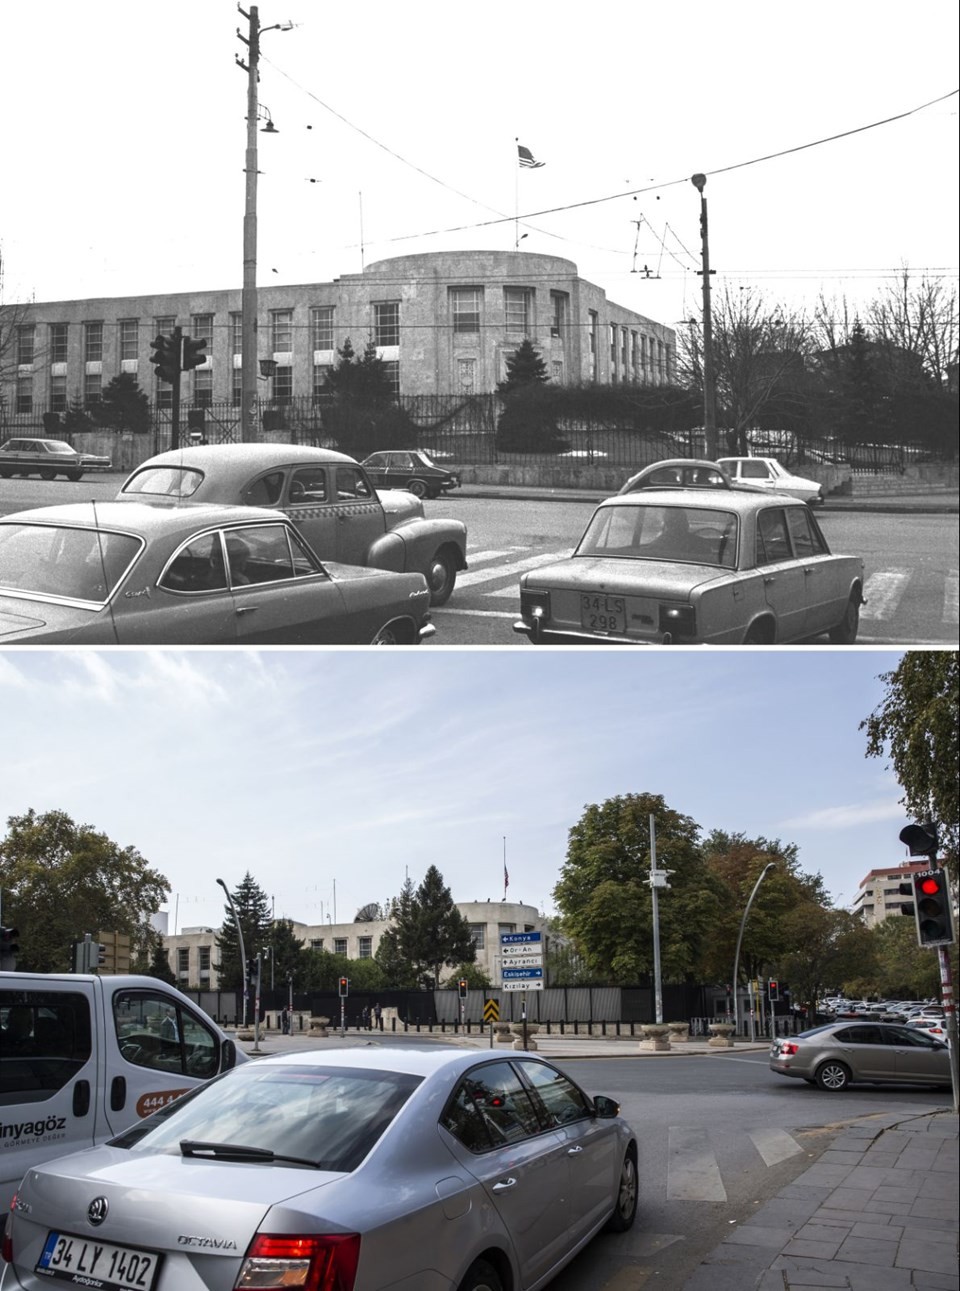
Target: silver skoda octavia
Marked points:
342	1170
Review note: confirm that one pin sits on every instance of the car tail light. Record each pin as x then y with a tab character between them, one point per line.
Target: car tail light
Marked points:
534	605
326	1263
788	1048
6	1240
678	620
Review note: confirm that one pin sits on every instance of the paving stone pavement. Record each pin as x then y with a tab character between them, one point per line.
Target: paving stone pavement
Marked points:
878	1211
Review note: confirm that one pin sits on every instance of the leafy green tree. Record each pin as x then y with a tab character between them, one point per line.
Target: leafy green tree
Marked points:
527	422
915	726
253	912
123	405
475	977
61	880
904	970
825	947
428	934
604	896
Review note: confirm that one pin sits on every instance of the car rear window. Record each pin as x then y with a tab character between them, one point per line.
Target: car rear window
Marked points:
83	564
332	1116
695	535
165	482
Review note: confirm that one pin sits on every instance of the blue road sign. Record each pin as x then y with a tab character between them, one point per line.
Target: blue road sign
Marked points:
521	974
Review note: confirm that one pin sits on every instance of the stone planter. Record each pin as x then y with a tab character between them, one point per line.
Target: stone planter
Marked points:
501	1032
656	1037
679	1032
532	1029
318	1026
721	1035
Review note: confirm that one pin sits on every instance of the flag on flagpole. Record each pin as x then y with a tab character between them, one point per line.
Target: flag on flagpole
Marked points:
506	880
526	157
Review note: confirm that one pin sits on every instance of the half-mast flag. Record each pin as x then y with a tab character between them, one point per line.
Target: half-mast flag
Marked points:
506	879
526	157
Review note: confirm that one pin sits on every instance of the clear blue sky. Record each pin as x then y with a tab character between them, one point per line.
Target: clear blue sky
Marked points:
307	768
123	158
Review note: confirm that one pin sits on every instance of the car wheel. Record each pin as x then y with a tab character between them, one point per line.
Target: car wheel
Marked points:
481	1276
625	1211
6	474
845	632
392	634
441	576
759	634
833	1075
74	475
418	488
48	475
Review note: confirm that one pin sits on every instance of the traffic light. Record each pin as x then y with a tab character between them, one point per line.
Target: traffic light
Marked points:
773	989
166	357
193	355
921	840
934	916
462	987
9	949
907	907
344	987
102	955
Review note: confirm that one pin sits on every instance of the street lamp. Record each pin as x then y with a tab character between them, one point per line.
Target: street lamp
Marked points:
243	953
709	383
736	959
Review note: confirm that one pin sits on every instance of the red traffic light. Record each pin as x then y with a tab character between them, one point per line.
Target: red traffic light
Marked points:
932	909
929	886
344	987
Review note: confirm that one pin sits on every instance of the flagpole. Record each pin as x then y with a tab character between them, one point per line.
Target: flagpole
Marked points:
516	216
506	878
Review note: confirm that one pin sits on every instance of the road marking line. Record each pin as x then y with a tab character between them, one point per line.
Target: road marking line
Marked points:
511	567
475	557
775	1145
951	596
692	1170
883	591
442	610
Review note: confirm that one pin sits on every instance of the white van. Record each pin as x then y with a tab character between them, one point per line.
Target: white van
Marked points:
82	1057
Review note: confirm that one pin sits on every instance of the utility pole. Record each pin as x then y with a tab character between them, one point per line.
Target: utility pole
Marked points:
709	380
658	879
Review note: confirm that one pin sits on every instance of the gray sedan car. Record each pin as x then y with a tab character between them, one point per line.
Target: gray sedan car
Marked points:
357	1169
844	1053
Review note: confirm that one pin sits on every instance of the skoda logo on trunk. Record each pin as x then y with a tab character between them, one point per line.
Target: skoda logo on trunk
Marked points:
97	1210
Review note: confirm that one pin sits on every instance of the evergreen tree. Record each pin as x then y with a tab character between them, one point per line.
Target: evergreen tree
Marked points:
124	406
253	912
525	367
76	419
527	423
159	965
360	408
429	933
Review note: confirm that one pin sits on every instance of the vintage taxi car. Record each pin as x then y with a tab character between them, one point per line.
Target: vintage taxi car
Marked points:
137	573
694	567
412	469
47	458
327	495
767	473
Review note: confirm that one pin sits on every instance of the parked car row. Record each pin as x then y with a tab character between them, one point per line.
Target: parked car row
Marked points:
313	552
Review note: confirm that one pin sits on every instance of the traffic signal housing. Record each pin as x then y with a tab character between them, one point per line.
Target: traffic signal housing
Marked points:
166	357
462	987
193	355
343	987
932	907
773	989
9	949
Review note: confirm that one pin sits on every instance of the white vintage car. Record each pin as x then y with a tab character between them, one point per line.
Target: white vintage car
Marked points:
695	566
767	473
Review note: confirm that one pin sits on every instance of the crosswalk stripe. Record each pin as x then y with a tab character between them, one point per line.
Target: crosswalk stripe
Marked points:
511	567
883	591
775	1145
692	1170
479	557
951	597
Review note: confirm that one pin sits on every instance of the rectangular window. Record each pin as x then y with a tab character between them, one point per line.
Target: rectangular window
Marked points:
201	329
93	342
58	393
58	342
340	945
26	336
558	299
283	385
281	325
92	388
163	397
24	394
129	338
391	371
319	377
236	387
316	943
386	323
478	935
365	948
623	349
183	962
321	327
465	308
236	333
516	308
204	960
594	330
203	387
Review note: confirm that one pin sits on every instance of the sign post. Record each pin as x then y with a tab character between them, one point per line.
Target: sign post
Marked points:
521	967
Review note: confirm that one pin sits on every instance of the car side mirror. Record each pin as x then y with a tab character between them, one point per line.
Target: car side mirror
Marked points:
228	1055
606	1108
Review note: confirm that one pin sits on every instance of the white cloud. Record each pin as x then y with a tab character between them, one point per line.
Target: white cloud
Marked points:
846	817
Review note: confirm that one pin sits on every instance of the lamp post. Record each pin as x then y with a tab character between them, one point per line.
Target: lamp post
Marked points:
243	953
709	382
736	959
248	299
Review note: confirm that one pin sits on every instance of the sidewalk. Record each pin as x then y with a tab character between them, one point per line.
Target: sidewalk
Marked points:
876	1212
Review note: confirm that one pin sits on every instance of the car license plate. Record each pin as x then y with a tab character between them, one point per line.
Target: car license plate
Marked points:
603	613
85	1261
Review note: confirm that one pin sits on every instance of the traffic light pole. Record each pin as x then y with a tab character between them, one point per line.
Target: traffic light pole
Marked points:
950	1017
175	402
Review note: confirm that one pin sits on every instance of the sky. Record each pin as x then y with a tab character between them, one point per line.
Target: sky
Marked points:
332	776
123	156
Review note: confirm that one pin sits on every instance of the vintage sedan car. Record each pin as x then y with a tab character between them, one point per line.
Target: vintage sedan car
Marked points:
47	458
412	469
843	1053
767	473
137	573
328	496
692	567
682	473
351	1169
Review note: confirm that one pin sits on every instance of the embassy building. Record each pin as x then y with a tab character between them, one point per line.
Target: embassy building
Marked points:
444	323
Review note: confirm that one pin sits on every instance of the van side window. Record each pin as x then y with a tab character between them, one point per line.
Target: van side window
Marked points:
45	1040
157	1032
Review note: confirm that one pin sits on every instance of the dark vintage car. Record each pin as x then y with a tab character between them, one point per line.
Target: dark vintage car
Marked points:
47	458
412	469
692	567
137	573
682	473
327	495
